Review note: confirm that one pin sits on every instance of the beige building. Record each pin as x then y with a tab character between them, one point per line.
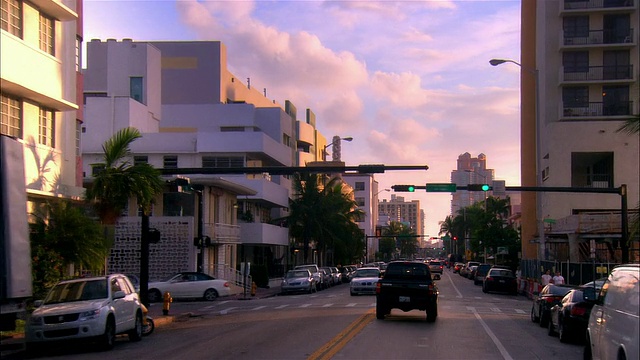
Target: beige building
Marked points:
41	94
397	209
581	60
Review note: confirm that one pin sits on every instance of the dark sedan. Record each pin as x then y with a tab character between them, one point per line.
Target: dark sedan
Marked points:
545	300
569	319
502	280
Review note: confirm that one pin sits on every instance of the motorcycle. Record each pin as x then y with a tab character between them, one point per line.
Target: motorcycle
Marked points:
147	322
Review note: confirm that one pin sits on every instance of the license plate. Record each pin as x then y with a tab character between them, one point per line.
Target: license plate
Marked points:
404	299
501	281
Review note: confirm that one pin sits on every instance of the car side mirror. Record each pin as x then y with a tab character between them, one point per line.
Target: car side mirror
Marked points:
589	294
118	295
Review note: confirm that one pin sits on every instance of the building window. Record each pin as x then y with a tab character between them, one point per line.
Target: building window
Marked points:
359	186
78	53
576	27
97	169
575	96
78	136
575	61
135	89
46	128
11	117
170	162
592	169
222	162
140	159
360	201
47	37
11	17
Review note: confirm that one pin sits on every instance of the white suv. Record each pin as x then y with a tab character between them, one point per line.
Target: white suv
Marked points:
88	308
612	332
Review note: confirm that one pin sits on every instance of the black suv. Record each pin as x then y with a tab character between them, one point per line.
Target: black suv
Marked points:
407	285
481	273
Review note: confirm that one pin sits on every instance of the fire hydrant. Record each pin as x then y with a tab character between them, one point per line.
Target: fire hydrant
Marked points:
166	303
254	287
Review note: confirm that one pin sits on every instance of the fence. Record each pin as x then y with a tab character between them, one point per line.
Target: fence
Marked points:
573	273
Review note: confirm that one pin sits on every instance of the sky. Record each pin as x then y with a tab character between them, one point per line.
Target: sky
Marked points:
410	81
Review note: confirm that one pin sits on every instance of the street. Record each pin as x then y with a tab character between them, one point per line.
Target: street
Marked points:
331	324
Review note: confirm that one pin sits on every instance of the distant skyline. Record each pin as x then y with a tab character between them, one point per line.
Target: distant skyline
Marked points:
410	81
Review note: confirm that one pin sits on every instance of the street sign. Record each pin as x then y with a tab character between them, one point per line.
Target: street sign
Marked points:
499	188
441	187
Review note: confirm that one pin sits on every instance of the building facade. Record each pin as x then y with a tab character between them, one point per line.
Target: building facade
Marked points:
409	212
365	189
586	60
193	113
470	170
41	95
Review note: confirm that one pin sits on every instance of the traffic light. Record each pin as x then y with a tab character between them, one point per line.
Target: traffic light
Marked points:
478	187
455	238
405	188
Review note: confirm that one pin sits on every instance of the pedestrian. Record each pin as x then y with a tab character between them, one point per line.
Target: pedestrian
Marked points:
558	279
546	278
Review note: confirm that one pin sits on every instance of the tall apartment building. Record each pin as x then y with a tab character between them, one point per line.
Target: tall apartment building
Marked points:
194	113
403	211
41	94
365	189
470	170
583	59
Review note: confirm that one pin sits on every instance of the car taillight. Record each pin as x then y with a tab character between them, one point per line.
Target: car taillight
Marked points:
551	299
489	278
431	289
377	288
578	310
226	284
441	267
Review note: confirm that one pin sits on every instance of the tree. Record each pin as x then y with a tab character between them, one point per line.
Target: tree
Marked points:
64	235
118	179
404	238
116	182
325	215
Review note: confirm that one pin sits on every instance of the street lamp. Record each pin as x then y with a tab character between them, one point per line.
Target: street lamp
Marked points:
535	72
336	139
383	190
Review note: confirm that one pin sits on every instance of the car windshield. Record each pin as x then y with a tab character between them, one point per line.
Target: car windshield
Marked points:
368	273
435	263
408	270
503	273
297	274
310	268
77	291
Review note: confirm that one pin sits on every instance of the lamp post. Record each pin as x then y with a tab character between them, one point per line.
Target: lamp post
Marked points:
336	139
542	254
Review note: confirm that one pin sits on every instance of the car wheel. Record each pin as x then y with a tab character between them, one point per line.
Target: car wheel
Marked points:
563	335
432	314
586	355
544	319
210	294
551	331
154	295
534	318
108	339
381	311
135	334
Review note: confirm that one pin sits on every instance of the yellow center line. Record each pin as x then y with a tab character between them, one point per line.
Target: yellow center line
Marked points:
328	350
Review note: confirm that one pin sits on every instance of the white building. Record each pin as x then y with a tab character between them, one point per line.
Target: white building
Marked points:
194	113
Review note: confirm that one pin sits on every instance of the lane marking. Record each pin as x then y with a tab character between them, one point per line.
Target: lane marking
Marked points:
351	305
305	305
520	311
282	306
258	308
226	311
503	351
454	286
496	310
331	348
327	305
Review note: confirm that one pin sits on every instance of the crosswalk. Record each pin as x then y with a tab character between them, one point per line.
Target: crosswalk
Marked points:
225	308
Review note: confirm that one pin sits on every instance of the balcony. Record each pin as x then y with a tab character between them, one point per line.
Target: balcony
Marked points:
596	110
222	233
264	234
595	4
609	74
599	38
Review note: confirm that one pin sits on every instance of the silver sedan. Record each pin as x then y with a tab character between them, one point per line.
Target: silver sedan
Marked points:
365	281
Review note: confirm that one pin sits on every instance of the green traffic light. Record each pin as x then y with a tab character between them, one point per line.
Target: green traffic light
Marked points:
411	188
485	187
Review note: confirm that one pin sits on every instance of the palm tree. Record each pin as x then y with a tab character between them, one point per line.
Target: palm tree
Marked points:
116	182
119	179
324	215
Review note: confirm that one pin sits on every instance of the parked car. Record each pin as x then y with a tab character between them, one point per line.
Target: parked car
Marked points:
569	319
189	285
436	267
315	272
502	280
544	300
597	284
466	268
612	332
94	308
481	273
299	280
471	272
457	267
364	281
327	279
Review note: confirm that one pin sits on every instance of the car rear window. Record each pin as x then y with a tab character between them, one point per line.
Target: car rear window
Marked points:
418	271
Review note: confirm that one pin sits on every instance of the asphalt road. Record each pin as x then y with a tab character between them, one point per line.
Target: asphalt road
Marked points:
331	324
